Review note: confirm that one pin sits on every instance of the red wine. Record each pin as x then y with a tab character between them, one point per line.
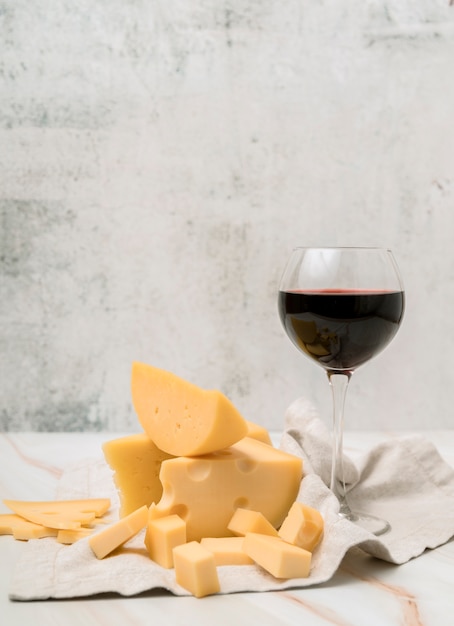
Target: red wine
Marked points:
341	329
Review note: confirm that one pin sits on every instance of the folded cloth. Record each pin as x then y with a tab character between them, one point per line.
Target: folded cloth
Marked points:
402	480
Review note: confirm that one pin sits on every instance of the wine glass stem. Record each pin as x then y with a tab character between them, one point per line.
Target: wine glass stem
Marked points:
339	384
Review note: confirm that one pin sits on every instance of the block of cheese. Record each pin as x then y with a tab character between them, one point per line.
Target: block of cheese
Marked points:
195	569
136	463
162	536
245	521
20	528
68	514
205	491
181	418
227	550
279	558
114	536
303	526
256	431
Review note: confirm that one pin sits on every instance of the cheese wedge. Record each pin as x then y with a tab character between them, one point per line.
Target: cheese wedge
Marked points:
70	514
195	569
279	558
136	462
227	550
246	521
181	418
114	536
20	528
205	491
302	527
256	431
162	536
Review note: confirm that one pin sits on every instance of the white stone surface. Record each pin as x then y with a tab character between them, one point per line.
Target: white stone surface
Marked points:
158	161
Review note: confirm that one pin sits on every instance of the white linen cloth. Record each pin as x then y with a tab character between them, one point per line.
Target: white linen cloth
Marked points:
402	480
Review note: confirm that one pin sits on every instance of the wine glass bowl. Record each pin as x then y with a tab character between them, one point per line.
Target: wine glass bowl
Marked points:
341	307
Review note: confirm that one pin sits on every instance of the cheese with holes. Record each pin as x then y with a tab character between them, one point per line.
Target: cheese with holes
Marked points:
114	536
69	514
246	521
162	536
181	418
195	569
303	526
136	463
20	528
205	491
279	558
227	550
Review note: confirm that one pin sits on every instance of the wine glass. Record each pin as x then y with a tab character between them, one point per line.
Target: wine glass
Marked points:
341	307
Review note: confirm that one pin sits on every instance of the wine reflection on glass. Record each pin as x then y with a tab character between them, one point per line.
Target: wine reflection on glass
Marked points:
341	307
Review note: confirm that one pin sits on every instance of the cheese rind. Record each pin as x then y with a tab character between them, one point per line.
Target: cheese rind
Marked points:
302	527
60	514
162	536
195	569
245	521
205	491
136	462
181	418
279	558
227	550
114	536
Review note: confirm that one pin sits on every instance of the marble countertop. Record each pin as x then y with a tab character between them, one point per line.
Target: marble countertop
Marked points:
363	591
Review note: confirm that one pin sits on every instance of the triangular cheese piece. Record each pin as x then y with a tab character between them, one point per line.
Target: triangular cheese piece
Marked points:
67	514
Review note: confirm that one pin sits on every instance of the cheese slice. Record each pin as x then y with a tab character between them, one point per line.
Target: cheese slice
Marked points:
70	514
20	528
279	558
114	536
227	550
205	491
195	569
181	418
136	462
303	526
71	536
162	536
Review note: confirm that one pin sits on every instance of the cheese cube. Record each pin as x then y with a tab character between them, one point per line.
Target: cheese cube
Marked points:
195	569
302	527
279	558
227	550
162	536
181	418
136	462
246	521
205	491
112	537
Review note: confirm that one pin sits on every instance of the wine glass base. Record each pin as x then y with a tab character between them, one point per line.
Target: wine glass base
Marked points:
373	524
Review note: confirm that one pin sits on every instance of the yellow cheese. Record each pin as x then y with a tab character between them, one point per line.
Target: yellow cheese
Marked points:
303	526
205	491
256	431
279	558
195	569
70	514
114	536
162	536
181	418
20	528
71	536
136	462
246	521
227	550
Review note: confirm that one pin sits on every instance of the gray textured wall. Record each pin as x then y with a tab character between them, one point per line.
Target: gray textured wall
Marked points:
158	161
